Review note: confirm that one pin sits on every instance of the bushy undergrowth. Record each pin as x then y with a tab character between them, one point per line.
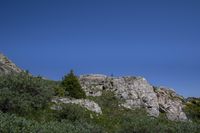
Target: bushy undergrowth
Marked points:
192	109
13	124
22	93
116	119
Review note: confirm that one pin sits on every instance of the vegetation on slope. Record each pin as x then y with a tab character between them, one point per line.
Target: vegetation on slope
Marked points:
25	103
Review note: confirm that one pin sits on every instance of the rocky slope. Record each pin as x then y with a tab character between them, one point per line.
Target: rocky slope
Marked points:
136	92
7	66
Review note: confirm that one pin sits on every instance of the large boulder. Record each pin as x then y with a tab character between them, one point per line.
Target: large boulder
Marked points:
137	93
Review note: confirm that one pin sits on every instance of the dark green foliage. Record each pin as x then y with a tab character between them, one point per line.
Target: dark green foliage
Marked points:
73	113
22	93
77	114
71	84
138	122
59	91
13	124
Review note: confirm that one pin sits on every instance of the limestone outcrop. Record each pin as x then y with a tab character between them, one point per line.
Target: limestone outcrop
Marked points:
88	104
136	92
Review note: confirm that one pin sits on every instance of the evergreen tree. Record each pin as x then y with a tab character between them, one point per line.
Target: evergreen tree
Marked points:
71	85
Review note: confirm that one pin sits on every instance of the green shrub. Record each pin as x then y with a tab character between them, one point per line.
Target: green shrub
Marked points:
192	109
59	91
13	124
71	85
73	113
22	93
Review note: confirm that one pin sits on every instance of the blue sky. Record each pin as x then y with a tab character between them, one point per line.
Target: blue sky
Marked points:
157	39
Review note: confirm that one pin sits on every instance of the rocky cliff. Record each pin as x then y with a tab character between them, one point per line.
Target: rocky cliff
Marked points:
7	66
136	92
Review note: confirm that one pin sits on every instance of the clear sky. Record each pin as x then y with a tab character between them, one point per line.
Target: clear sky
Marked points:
157	39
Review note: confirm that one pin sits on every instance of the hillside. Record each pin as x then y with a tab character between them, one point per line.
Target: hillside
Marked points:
104	105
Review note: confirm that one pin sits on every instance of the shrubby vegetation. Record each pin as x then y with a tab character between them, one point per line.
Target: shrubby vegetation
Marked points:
23	94
71	85
116	119
192	109
59	91
14	124
25	107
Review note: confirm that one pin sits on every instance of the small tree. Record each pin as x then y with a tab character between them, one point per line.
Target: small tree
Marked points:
71	85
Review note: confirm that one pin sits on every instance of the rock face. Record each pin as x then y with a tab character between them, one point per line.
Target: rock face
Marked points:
136	92
6	66
88	104
171	104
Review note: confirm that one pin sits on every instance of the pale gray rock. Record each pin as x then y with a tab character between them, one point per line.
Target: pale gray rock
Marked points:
171	104
88	104
136	92
6	66
93	84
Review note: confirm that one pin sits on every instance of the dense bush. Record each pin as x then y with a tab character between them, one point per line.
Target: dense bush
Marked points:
71	85
22	93
59	91
73	113
140	123
192	109
13	124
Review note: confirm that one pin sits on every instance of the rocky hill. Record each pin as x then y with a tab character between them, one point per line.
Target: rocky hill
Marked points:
109	105
7	66
135	92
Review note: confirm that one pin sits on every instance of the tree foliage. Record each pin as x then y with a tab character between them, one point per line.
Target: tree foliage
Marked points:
71	85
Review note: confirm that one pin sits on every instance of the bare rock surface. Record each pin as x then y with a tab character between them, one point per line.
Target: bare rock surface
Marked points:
171	104
88	104
136	92
7	66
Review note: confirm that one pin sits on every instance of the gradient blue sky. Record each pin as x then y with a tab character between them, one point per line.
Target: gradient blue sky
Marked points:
157	39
